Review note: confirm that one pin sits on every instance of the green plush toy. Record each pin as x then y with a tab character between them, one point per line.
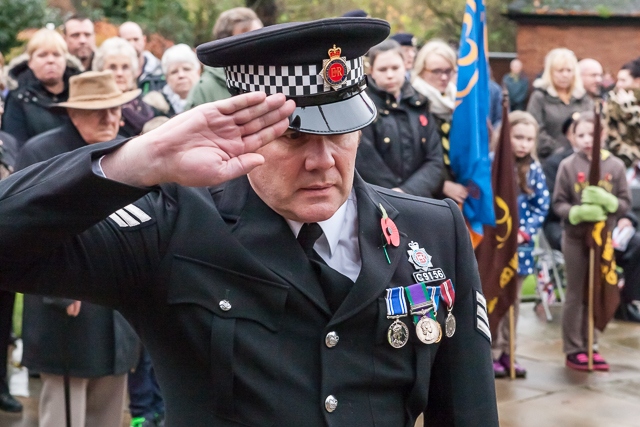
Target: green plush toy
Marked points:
599	196
587	213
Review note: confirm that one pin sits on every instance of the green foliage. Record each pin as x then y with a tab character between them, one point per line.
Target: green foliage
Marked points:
16	16
603	11
425	19
171	19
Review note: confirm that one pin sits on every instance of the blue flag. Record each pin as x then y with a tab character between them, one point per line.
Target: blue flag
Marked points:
469	139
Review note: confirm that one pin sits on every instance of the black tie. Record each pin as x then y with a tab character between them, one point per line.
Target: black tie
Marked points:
335	285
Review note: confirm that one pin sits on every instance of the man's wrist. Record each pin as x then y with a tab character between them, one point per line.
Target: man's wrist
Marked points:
132	164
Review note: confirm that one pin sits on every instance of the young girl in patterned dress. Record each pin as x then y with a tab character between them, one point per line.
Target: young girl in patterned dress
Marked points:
533	205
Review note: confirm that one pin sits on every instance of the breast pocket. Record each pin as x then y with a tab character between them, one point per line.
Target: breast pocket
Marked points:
246	314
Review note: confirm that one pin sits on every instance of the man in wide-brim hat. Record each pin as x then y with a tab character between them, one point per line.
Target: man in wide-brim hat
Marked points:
93	345
292	293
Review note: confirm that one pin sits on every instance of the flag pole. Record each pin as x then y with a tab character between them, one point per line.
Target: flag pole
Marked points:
592	260
594	177
512	343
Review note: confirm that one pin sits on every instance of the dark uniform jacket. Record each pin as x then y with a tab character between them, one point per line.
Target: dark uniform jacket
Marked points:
402	147
99	341
230	309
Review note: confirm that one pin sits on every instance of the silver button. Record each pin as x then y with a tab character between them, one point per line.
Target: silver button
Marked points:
331	340
330	403
225	305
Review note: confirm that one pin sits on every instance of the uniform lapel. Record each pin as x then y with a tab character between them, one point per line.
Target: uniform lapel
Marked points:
267	236
376	271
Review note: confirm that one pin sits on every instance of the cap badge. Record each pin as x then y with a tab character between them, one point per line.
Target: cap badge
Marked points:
334	69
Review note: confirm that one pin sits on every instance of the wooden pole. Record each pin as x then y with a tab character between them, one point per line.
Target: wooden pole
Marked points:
592	259
512	343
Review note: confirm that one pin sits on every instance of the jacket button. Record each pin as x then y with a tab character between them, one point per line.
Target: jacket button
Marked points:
225	305
424	140
418	102
331	340
394	105
330	403
387	140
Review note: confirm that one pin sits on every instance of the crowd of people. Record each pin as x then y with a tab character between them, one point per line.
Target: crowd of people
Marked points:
65	93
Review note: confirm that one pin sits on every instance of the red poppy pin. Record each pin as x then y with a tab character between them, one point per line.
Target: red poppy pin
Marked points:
389	229
423	120
580	177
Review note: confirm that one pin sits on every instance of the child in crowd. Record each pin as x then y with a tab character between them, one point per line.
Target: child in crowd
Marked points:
533	205
580	205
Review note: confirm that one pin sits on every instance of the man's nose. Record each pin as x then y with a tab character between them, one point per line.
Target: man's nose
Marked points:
319	154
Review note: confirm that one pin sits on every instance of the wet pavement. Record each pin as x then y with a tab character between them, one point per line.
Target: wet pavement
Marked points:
550	396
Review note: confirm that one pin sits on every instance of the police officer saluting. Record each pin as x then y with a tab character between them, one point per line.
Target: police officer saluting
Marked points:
270	284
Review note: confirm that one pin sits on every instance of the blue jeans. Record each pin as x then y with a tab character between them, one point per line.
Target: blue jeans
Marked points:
144	393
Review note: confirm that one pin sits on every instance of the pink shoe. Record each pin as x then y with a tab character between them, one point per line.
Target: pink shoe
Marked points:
521	372
599	364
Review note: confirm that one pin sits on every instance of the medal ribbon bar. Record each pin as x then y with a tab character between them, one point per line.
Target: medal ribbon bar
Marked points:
396	303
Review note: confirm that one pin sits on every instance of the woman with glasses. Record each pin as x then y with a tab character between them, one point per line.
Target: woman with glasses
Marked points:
434	77
401	149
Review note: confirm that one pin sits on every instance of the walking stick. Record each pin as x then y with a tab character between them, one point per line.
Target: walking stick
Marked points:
512	343
592	260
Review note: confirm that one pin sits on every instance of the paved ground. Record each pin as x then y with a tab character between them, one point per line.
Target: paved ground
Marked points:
550	396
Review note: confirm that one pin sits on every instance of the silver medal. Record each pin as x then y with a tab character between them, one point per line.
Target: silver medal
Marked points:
398	334
428	330
450	325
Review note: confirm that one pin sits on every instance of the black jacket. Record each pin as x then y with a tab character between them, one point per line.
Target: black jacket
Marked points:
28	108
99	341
402	147
260	359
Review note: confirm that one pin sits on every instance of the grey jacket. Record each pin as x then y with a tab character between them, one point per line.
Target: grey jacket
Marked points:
550	112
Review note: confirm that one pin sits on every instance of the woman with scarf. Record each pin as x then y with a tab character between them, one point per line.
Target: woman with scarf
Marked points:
433	77
181	67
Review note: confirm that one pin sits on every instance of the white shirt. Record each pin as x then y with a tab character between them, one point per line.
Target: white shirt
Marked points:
338	246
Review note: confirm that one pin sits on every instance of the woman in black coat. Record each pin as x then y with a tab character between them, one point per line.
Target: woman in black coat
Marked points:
401	149
42	76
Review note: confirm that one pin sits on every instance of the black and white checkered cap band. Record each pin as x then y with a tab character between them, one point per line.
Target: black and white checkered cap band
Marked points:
292	80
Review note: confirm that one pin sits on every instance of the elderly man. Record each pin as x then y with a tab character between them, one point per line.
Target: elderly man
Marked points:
93	345
150	76
517	85
80	36
291	292
591	73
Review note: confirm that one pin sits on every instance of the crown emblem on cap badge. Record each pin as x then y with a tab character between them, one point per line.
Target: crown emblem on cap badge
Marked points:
334	69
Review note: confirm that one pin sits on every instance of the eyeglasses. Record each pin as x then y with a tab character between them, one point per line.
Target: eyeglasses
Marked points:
439	72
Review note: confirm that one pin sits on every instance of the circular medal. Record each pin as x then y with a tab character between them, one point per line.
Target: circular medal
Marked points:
398	334
428	330
450	325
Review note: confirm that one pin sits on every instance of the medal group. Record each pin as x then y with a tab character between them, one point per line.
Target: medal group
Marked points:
423	299
423	305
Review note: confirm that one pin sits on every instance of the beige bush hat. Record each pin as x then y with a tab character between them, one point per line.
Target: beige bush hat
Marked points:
96	90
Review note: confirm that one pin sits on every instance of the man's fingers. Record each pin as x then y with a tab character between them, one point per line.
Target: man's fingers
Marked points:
272	103
265	135
268	119
235	103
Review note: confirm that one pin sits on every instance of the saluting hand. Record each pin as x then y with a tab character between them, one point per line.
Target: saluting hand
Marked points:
206	146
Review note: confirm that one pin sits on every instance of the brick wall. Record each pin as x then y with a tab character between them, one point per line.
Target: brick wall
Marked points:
611	45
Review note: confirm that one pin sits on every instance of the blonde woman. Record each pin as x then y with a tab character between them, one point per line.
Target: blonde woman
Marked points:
557	95
41	76
433	76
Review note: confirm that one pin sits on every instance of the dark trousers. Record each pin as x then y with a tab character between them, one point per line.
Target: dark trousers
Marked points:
145	399
6	317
